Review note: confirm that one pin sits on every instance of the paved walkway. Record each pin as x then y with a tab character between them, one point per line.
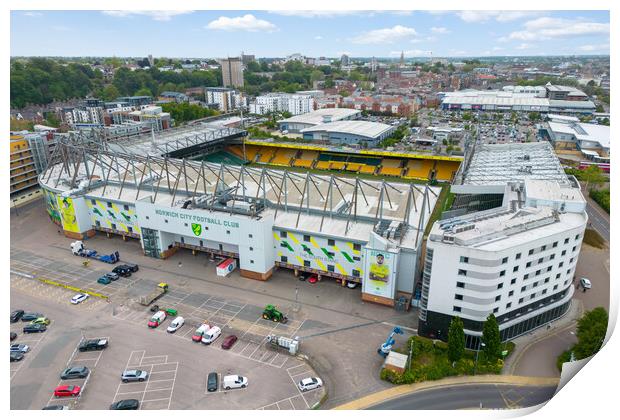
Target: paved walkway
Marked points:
401	390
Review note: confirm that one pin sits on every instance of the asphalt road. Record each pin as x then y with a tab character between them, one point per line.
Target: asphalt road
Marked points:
487	396
599	221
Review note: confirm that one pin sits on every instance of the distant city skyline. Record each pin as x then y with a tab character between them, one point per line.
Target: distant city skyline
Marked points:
330	34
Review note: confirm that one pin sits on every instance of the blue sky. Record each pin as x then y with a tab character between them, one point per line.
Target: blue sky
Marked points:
277	34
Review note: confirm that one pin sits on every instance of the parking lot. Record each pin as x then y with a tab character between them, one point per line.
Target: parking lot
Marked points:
177	367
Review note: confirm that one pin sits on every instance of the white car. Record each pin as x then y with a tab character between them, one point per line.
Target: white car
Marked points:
234	381
585	283
176	324
79	298
309	384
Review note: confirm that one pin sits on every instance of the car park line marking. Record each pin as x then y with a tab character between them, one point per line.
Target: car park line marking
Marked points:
157	399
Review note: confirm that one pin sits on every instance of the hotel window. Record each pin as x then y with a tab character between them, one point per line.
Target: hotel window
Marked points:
502	273
566	240
513	281
460	284
464	259
458	297
508	305
576	237
540	260
547	280
518	256
523	288
497	298
456	309
525	277
537	272
250	236
555	244
499	286
535	284
512	292
563	252
528	265
504	260
495	310
515	268
462	272
542	248
530	252
521	300
552	256
533	295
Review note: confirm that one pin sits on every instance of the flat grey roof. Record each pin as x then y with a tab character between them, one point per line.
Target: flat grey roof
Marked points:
361	128
316	117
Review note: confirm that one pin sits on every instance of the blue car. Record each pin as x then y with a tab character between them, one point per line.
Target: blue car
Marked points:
104	280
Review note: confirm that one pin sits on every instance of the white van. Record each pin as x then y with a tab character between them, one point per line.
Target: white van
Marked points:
157	319
234	381
211	335
176	324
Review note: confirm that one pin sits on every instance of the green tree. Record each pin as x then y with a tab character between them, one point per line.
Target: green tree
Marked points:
593	176
143	92
456	340
491	339
110	93
253	67
591	330
534	116
467	116
599	108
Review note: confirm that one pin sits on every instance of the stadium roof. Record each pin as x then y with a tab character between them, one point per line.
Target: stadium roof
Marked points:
584	132
360	128
319	116
498	164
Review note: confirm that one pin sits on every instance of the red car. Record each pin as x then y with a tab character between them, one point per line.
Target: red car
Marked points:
67	391
229	342
313	279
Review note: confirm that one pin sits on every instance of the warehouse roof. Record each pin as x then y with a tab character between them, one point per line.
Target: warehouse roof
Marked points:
584	132
322	115
360	128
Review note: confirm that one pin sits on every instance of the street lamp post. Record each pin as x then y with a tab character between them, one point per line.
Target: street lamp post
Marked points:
480	344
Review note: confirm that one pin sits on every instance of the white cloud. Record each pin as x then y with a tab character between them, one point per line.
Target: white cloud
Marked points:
498	48
548	28
440	30
385	36
594	47
472	16
241	23
33	14
160	15
314	13
523	46
318	37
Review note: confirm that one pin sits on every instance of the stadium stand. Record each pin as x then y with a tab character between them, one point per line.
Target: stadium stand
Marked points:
354	167
417	168
303	163
368	169
445	170
322	164
283	157
392	163
224	157
386	170
265	154
337	166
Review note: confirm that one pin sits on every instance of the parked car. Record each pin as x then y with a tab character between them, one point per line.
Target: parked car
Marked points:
16	315
56	407
93	344
67	391
197	337
308	384
34	328
211	335
16	356
229	342
75	372
133	267
585	283
41	320
79	298
104	280
13	336
125	405
112	276
122	270
23	348
134	375
176	324
234	381
212	382
157	319
313	279
31	316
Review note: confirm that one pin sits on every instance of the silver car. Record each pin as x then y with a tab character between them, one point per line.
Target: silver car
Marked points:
134	376
22	348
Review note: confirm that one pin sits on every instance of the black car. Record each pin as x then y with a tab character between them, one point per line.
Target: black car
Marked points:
55	407
94	344
31	316
122	270
75	372
34	328
212	380
13	336
133	267
125	405
16	356
16	315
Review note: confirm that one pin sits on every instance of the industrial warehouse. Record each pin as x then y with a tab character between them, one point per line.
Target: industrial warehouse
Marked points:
349	229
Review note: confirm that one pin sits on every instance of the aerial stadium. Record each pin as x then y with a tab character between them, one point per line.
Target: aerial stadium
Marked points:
356	217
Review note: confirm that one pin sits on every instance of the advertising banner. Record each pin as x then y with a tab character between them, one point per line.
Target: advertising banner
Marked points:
380	272
67	213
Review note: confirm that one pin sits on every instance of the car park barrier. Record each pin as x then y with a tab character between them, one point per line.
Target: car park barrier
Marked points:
69	287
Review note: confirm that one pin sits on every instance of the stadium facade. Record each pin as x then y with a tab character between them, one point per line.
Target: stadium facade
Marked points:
351	229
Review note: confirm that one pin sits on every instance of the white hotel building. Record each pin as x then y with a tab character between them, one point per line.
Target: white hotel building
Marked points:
282	102
517	260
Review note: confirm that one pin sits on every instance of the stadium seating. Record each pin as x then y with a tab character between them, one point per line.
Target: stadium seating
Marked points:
354	167
445	170
322	165
391	163
282	157
265	154
236	150
303	163
390	171
420	169
309	155
368	169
